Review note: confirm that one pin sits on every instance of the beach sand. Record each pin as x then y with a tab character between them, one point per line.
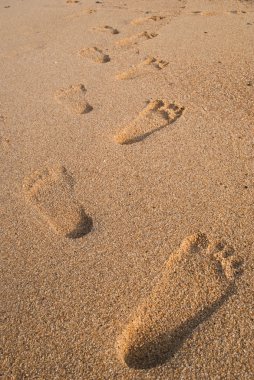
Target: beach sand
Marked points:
127	196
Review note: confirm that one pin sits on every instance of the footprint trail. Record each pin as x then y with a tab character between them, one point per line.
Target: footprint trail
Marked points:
196	281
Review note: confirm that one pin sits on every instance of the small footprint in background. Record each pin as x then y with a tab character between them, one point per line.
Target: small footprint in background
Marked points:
95	55
210	13
142	20
50	190
81	13
72	1
133	40
156	115
90	11
106	28
143	68
74	99
196	281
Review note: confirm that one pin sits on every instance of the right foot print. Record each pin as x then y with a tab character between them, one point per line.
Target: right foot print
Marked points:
157	115
133	40
94	54
51	191
143	68
197	279
74	99
106	28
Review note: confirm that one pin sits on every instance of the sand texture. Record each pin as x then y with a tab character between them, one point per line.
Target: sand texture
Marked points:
127	191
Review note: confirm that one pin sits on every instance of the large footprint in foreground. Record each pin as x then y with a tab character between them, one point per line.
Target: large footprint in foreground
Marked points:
197	279
51	191
157	115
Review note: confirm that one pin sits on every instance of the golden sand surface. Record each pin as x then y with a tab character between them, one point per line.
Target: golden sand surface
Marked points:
127	192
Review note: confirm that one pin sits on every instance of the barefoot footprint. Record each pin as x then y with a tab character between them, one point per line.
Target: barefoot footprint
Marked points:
133	40
142	20
74	99
196	280
146	67
50	190
157	115
95	55
106	28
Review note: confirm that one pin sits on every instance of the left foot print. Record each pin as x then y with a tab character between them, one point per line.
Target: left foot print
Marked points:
74	99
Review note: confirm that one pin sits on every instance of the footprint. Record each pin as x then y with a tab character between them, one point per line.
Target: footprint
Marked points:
74	99
133	40
94	54
142	20
50	190
206	13
86	11
72	1
143	68
106	28
90	11
197	279
210	13
156	115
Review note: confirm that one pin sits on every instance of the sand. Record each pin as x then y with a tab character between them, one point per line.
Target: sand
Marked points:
126	151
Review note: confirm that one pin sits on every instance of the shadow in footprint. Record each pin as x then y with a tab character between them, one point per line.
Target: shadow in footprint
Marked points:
84	227
155	353
197	279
